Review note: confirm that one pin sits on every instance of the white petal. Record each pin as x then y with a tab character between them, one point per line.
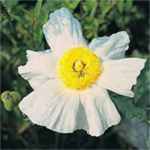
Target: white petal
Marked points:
52	107
63	31
55	108
120	75
113	46
39	68
100	111
36	104
66	120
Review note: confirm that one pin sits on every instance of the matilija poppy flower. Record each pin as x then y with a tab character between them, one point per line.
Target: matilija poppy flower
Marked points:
71	80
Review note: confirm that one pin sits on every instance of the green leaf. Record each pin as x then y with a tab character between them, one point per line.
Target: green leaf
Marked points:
71	4
37	9
129	4
37	23
90	29
53	5
121	5
142	88
106	6
127	108
9	4
90	6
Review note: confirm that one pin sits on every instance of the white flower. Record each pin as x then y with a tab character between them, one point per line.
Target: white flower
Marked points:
70	81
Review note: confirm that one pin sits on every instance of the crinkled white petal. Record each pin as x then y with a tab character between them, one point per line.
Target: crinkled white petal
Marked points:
100	111
63	31
111	47
39	68
59	110
120	75
52	107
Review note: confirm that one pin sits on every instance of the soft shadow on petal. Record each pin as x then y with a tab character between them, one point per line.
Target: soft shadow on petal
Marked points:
111	47
39	68
63	31
100	111
120	75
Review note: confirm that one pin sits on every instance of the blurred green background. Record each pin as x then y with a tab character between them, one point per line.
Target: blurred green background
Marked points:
21	29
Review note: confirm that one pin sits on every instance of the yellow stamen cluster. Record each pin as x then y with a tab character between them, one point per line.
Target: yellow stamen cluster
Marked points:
79	68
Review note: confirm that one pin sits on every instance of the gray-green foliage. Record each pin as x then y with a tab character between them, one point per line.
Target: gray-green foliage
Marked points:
21	29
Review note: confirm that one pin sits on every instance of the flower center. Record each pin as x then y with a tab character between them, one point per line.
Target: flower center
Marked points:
79	68
78	65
